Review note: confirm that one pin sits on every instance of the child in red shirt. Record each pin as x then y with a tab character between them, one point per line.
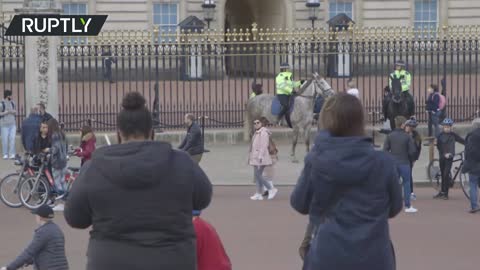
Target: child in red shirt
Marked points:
87	147
210	252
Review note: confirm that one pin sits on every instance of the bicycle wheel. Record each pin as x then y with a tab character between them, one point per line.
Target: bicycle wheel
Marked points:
434	174
465	183
33	193
9	190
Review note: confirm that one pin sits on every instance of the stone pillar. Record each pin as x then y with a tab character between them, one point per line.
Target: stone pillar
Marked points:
443	10
41	72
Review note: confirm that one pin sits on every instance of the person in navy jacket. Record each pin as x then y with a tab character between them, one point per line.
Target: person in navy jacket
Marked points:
349	191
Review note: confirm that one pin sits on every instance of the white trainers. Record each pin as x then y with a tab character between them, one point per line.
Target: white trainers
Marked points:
257	197
5	157
272	193
12	156
411	210
59	208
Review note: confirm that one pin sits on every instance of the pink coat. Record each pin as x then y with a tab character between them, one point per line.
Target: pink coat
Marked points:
259	155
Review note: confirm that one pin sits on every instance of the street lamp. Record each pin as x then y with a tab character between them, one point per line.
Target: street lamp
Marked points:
208	7
313	6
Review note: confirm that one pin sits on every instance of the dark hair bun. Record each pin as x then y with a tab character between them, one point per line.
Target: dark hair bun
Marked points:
133	101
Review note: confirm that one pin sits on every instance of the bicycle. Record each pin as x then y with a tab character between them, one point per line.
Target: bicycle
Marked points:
435	175
35	191
10	184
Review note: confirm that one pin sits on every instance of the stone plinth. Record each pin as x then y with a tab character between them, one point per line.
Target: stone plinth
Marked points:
41	75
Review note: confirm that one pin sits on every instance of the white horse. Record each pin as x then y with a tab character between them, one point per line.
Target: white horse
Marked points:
302	113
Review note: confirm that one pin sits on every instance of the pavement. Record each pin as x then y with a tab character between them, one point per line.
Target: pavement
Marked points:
266	234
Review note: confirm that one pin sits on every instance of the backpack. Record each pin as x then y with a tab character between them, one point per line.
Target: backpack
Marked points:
3	106
272	148
443	101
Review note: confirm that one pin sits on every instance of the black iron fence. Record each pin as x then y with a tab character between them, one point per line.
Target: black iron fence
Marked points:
211	73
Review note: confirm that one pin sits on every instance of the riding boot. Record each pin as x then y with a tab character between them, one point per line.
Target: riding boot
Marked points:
287	117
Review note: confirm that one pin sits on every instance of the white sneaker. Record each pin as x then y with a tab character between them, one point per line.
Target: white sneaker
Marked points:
5	157
59	208
411	210
272	193
256	197
12	156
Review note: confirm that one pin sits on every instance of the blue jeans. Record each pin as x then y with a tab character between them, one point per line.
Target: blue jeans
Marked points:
59	178
474	179
260	179
404	171
434	121
8	139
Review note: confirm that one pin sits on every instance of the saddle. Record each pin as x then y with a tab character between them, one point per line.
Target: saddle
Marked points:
277	107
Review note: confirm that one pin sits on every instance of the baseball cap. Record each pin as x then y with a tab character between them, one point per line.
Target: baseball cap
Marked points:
196	213
44	211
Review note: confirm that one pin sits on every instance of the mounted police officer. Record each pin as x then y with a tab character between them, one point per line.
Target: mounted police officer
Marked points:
400	73
284	84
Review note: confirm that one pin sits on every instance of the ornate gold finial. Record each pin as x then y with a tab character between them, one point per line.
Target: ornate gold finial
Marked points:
254	31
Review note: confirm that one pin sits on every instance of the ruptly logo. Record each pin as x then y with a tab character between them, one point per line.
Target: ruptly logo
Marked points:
56	25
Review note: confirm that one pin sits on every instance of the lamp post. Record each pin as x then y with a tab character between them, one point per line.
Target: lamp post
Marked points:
208	7
313	6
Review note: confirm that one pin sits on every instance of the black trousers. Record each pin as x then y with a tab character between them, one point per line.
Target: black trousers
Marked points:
107	74
445	168
410	102
285	102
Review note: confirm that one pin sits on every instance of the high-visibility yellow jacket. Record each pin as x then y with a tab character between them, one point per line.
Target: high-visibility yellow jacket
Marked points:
405	79
284	83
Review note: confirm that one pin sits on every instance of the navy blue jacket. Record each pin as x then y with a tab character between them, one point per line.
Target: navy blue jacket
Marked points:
472	153
357	190
30	131
433	102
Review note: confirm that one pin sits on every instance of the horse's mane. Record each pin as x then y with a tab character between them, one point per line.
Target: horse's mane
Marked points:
304	87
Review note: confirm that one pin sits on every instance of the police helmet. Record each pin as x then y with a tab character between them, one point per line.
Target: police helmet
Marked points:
284	65
400	63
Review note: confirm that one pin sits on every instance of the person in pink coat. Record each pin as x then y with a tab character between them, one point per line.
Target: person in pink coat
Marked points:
259	158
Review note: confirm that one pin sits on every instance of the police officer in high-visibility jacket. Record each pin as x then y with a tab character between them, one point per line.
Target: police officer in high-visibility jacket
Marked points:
405	80
284	84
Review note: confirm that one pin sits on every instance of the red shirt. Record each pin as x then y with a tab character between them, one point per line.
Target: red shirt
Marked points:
210	252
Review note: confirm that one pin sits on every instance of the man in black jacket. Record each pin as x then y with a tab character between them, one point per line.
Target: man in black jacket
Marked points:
31	129
472	164
43	112
193	142
47	249
401	146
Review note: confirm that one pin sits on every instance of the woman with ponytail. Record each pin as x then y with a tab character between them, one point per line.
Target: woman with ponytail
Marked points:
138	197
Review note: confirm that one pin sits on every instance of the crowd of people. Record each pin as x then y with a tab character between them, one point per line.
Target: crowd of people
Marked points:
348	189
